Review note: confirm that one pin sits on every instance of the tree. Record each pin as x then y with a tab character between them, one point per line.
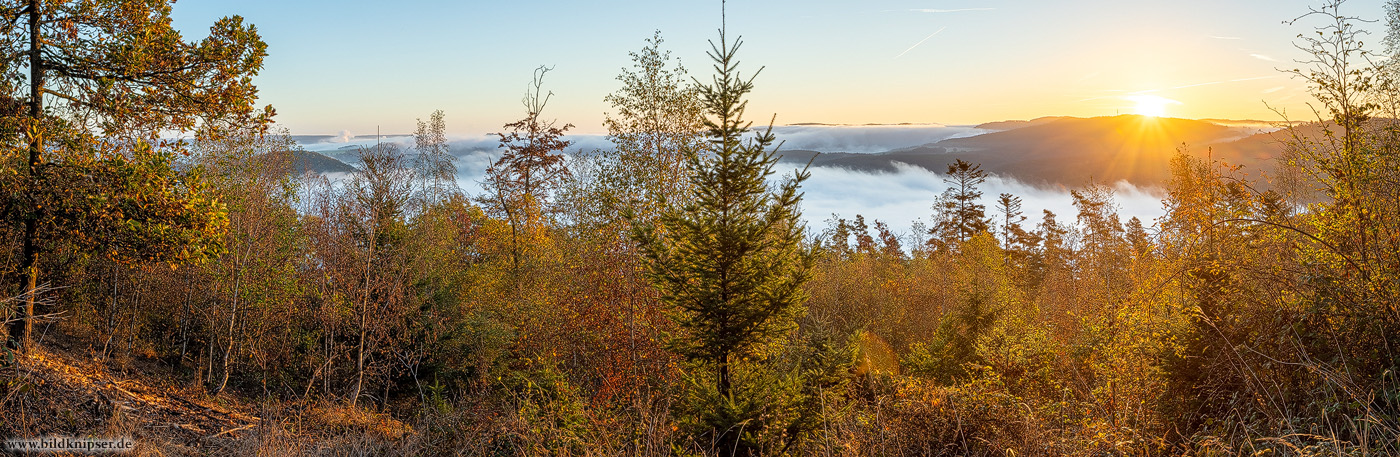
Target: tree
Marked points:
1014	238
362	243
657	127
1054	255
1320	334
532	166
1102	243
436	172
655	124
961	216
1138	239
889	241
120	76
864	242
379	198
731	263
250	173
1011	218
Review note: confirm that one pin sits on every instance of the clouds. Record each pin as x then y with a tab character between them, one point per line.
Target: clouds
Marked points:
347	142
902	197
908	194
898	198
812	137
474	153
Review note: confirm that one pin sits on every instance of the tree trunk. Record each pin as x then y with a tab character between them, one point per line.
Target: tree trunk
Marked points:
364	318
30	256
359	364
111	315
26	333
724	384
514	235
384	402
5	314
228	351
239	264
184	324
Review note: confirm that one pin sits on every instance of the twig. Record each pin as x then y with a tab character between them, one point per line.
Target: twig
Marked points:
245	427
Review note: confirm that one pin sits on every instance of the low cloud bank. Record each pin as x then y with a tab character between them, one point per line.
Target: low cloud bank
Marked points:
824	138
908	194
898	198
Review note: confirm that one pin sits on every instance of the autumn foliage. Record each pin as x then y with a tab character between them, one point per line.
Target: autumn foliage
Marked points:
663	297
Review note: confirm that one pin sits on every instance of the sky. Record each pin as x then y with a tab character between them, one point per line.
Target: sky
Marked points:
360	66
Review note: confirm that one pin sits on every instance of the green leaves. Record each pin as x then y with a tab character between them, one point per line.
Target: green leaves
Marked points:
731	264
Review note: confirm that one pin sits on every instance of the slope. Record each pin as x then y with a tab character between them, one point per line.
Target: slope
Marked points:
1071	151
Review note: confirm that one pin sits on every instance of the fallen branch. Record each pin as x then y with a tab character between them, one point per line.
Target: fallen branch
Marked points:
245	427
188	427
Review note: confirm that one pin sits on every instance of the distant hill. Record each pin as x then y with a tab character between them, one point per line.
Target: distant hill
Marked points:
1010	125
1070	151
304	161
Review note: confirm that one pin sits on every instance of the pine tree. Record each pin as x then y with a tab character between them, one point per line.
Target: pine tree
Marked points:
1010	208
731	264
960	215
971	215
1138	239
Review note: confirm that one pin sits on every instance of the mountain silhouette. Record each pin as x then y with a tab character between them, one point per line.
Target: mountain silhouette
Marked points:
1070	151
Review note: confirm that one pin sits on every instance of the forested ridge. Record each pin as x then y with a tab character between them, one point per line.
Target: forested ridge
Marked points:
662	297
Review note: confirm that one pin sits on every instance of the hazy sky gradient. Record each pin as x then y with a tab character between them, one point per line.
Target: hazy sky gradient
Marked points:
354	65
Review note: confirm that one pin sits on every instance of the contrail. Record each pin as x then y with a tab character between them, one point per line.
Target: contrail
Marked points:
958	10
911	48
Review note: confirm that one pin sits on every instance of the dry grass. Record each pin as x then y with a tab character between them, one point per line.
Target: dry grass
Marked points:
49	392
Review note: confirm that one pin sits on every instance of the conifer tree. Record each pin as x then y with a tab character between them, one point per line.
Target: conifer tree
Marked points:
960	215
1012	235
1011	217
731	263
1138	239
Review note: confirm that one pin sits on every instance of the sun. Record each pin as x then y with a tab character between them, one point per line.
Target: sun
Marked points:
1151	105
